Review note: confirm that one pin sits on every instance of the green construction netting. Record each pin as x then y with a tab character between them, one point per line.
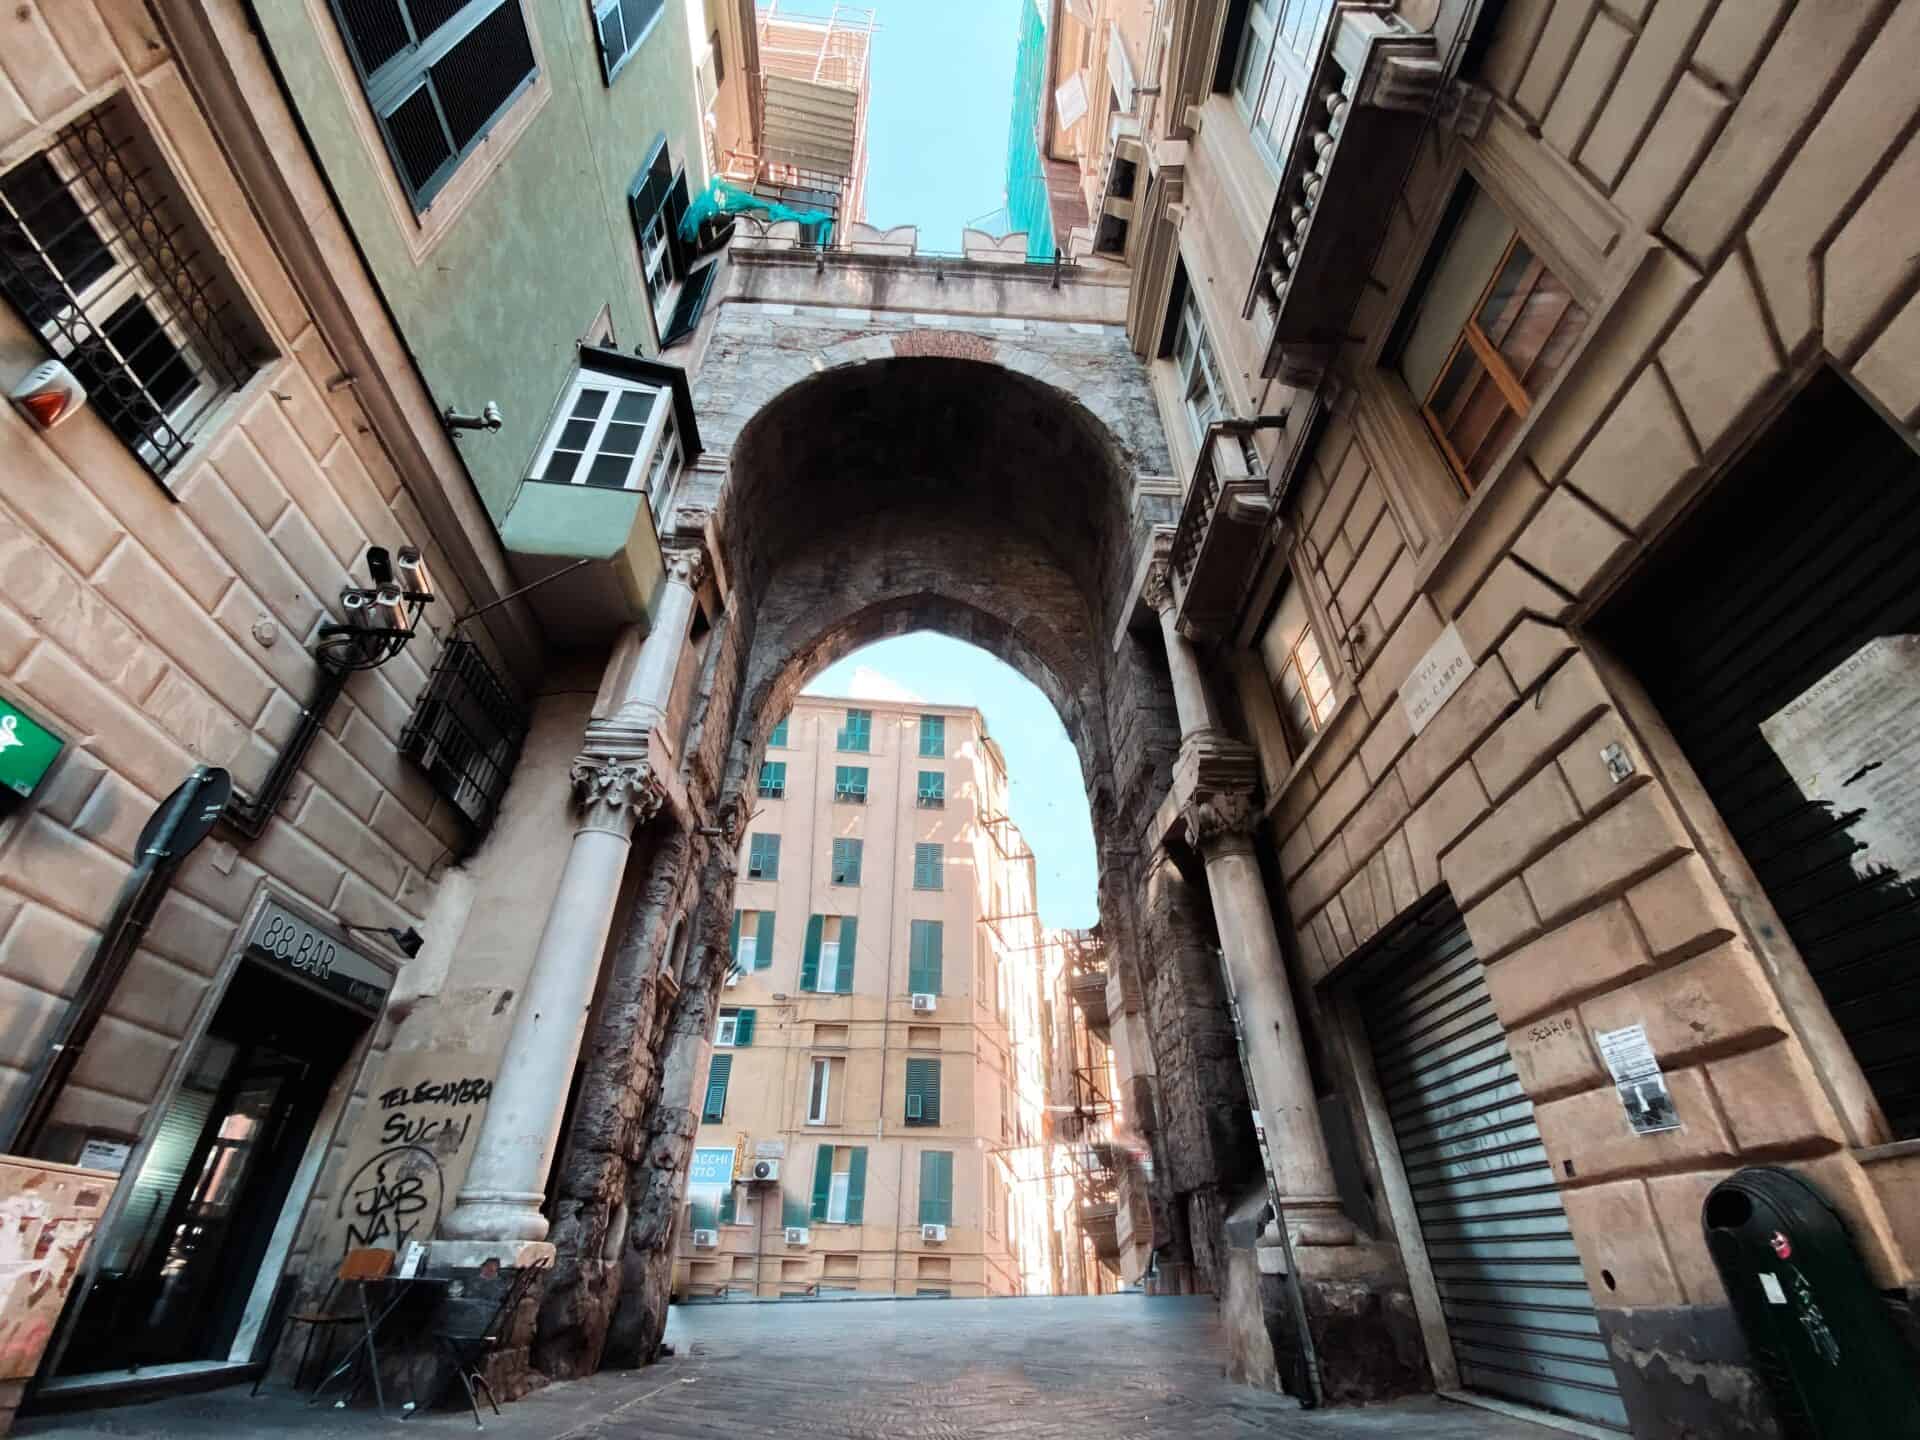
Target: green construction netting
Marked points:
724	198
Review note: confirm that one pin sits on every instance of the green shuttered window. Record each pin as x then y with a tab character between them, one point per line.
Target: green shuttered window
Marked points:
718	1073
923	1092
763	857
933	735
925	941
846	862
826	960
773	780
850	784
437	74
932	791
839	1185
777	737
936	1187
735	1028
857	733
751	942
929	867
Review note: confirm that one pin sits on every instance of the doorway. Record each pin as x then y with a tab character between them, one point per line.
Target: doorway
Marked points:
174	1271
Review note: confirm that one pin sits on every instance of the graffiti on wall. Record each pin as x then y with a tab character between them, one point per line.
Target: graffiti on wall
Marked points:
395	1196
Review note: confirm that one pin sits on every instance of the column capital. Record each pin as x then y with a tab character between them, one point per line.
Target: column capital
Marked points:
615	795
1221	824
1157	591
687	566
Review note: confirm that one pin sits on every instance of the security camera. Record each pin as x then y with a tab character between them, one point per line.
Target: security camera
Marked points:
490	416
489	419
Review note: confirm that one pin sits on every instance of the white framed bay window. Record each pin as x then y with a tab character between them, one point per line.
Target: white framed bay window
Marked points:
617	428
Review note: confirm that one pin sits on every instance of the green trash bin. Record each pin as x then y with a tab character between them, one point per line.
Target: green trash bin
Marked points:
1820	1334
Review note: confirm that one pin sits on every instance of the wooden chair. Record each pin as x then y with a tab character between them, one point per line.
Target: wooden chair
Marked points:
358	1268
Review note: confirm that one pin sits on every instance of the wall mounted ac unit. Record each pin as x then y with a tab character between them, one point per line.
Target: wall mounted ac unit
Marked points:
933	1234
766	1171
706	1239
796	1234
923	1003
733	979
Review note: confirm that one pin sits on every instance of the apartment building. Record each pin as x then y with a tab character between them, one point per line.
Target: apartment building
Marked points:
873	1113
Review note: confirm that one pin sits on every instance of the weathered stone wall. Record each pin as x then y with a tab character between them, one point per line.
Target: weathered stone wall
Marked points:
1724	188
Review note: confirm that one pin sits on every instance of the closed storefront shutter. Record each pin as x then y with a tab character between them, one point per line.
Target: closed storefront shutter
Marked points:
1511	1288
1787	592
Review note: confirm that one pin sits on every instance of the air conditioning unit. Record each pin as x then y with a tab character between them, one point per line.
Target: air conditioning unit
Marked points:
766	1172
796	1234
706	1239
733	979
933	1234
923	1003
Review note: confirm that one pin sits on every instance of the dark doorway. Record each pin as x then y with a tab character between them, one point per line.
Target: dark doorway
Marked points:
175	1270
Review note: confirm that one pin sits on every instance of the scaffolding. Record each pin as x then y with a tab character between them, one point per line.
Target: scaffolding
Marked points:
812	103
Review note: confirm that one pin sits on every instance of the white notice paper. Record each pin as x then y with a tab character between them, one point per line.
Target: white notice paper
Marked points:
1770	1283
1636	1075
104	1155
410	1262
1070	101
1851	741
1440	672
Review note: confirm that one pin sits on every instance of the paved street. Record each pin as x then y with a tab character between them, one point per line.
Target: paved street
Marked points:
1116	1367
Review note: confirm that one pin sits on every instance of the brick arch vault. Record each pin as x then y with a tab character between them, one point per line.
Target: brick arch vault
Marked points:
1000	493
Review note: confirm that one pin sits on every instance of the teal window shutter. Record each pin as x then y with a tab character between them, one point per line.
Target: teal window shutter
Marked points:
923	1092
936	1187
810	956
743	1027
933	735
857	1186
931	793
850	784
727	1206
822	1180
777	737
849	929
857	733
846	861
763	950
733	939
923	957
717	1074
929	864
773	779
763	857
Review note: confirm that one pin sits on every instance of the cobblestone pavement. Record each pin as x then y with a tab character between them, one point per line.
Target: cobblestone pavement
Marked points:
1117	1367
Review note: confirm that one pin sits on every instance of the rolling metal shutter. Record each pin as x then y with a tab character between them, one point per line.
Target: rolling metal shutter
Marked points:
1807	552
1515	1299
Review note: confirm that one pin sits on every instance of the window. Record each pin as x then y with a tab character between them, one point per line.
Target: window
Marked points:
1488	330
735	1028
657	203
466	733
932	793
718	1073
763	857
1201	394
936	1187
820	1090
923	1092
609	432
773	779
850	784
437	78
1297	669
857	733
826	961
777	737
929	864
103	260
752	939
620	26
846	862
926	939
933	735
839	1184
1276	61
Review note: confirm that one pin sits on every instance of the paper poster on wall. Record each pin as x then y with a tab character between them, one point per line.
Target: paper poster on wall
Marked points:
1851	742
1636	1075
1070	101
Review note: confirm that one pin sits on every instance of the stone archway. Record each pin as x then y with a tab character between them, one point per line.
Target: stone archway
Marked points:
925	479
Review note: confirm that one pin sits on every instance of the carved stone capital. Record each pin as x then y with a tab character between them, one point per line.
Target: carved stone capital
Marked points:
691	520
1219	823
615	795
687	567
1158	591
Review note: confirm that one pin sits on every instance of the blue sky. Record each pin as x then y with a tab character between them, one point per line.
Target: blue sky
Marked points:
1044	791
937	126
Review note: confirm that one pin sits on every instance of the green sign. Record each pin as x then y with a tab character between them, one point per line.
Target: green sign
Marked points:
27	749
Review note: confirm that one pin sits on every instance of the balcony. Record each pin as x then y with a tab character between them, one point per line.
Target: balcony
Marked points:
1222	528
1373	90
1087	978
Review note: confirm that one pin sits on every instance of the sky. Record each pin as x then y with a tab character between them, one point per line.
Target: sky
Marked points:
937	123
1044	790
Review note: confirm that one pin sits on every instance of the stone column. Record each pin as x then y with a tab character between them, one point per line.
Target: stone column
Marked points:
1216	777
616	792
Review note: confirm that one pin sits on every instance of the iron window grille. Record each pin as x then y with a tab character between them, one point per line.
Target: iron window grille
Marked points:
438	75
99	255
466	732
